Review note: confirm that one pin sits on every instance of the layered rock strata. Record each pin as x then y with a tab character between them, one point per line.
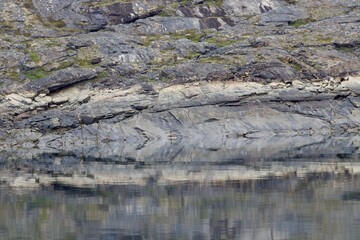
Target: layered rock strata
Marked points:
137	82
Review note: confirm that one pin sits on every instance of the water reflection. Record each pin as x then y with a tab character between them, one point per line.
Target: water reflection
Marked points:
315	207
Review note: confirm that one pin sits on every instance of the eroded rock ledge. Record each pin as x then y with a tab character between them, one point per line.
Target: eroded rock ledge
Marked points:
202	131
142	119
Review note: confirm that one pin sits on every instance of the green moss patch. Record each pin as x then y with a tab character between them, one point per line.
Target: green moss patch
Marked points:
166	59
13	75
346	49
193	55
102	75
324	39
296	66
34	57
35	74
54	23
301	22
221	41
148	39
64	64
192	34
83	62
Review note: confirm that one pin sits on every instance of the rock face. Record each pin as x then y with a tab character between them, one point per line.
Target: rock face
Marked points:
150	41
143	81
146	120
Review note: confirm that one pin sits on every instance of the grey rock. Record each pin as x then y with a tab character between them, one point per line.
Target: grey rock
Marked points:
269	71
355	101
61	79
144	80
283	14
165	25
352	83
53	119
214	114
60	100
249	7
197	72
296	95
69	11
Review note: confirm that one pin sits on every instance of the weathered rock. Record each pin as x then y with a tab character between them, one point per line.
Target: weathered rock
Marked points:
249	7
144	80
130	29
213	114
352	83
61	79
162	25
282	15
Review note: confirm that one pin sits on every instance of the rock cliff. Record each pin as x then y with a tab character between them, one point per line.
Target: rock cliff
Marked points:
147	80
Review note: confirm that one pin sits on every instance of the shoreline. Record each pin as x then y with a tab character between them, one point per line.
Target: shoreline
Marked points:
211	81
211	113
93	175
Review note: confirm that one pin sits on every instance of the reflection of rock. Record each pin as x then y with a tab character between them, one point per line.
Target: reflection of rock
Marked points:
94	174
231	210
246	159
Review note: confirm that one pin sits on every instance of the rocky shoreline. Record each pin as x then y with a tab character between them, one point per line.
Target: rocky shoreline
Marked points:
138	82
121	136
207	114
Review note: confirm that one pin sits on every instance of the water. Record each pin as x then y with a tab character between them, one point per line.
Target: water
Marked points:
316	206
278	188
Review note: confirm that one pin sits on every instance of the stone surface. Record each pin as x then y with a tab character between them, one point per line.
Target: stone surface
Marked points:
143	81
60	79
211	115
353	83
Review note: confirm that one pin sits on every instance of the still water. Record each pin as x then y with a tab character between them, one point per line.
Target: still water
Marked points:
316	206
